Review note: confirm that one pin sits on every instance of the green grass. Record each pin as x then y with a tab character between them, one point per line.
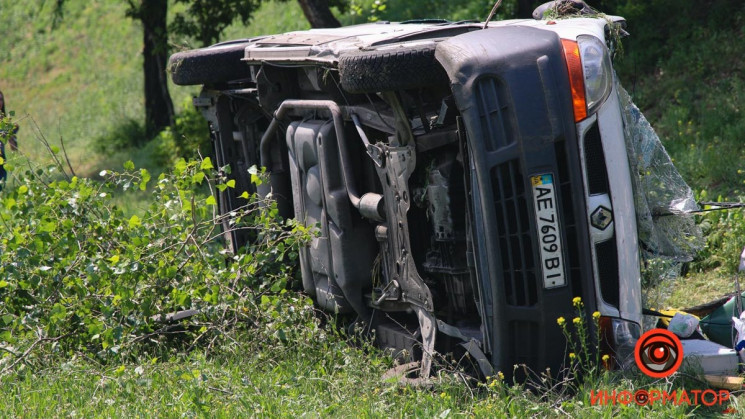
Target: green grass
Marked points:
73	81
273	17
321	377
80	80
693	96
686	77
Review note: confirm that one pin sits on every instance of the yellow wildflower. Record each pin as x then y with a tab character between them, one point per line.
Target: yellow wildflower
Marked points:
561	321
576	320
572	355
577	301
606	357
596	315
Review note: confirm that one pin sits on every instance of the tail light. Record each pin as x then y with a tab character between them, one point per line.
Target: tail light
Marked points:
618	338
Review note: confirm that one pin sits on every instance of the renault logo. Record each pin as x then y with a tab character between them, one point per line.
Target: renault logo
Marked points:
601	218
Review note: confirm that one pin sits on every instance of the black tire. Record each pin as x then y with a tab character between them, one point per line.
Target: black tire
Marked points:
216	64
390	69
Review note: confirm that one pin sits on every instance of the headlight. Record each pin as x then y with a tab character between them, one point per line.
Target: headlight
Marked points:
618	339
590	74
597	69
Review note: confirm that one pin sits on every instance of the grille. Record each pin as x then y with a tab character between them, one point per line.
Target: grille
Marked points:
515	241
606	253
569	219
607	257
493	113
597	175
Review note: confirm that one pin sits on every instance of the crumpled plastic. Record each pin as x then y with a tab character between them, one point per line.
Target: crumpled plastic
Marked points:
739	325
664	202
683	325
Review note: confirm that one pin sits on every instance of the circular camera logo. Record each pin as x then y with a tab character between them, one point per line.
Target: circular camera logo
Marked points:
658	353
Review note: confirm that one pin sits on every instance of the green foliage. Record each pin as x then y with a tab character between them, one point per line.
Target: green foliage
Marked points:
188	138
584	343
694	98
205	20
314	373
78	276
125	134
725	239
664	27
8	127
274	16
374	10
369	10
74	83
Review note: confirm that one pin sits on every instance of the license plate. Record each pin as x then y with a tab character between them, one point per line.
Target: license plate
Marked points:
549	234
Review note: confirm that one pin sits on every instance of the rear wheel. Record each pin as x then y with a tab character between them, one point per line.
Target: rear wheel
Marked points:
390	69
216	64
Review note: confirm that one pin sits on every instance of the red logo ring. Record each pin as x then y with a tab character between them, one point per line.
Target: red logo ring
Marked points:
658	353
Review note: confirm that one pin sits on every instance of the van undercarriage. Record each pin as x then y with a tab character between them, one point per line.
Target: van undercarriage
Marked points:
461	200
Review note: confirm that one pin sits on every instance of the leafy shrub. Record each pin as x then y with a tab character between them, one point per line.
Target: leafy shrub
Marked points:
725	238
187	138
663	27
360	11
77	276
125	134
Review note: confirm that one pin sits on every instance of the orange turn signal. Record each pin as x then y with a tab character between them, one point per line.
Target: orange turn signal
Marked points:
576	78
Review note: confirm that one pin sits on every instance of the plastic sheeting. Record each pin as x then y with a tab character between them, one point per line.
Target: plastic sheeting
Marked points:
663	200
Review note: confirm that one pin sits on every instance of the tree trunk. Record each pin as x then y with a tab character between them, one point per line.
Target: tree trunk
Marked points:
158	105
318	13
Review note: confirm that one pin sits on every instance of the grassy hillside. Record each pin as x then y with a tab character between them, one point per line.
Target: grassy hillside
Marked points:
81	80
75	81
684	67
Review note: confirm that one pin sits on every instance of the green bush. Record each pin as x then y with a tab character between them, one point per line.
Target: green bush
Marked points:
361	11
125	134
188	138
725	238
660	28
77	276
